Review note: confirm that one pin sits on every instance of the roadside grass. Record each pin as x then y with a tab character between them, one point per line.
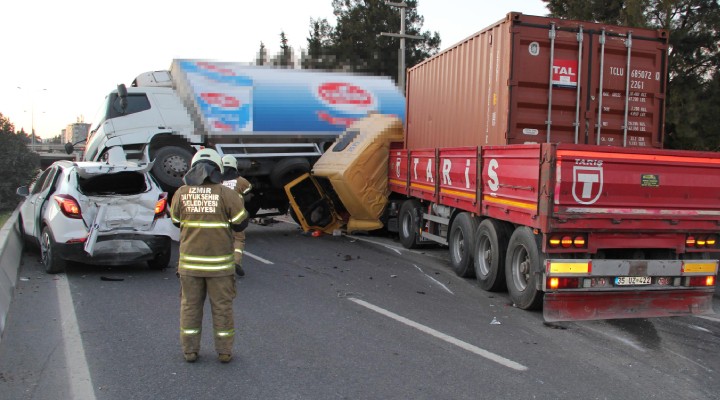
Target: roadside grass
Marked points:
4	215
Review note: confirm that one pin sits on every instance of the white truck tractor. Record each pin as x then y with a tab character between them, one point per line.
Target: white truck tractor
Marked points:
276	122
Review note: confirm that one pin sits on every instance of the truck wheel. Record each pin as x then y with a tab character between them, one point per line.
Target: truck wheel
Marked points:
491	241
460	243
521	269
288	169
171	164
409	224
49	254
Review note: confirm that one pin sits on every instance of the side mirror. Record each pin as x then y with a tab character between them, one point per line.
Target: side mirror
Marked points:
122	94
23	191
69	148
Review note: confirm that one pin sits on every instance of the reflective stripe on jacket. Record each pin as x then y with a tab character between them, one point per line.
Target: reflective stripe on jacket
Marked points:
206	215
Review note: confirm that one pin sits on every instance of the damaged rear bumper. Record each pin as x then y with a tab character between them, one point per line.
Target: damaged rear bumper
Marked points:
120	249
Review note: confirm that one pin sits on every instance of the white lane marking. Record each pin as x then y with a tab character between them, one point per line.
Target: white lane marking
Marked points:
439	283
432	332
709	318
397	249
393	249
258	258
76	364
434	280
699	328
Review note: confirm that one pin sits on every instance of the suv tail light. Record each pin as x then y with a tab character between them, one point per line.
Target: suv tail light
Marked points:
161	205
68	205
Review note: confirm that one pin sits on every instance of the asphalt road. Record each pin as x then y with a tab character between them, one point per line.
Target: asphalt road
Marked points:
336	318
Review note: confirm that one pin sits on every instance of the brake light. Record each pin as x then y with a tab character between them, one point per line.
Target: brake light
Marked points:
701	281
554	283
161	205
690	241
68	205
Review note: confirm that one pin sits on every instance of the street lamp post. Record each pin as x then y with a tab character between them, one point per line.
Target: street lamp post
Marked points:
32	119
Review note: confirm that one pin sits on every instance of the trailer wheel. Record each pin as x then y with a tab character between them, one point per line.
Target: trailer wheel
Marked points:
409	224
491	242
460	243
521	269
170	165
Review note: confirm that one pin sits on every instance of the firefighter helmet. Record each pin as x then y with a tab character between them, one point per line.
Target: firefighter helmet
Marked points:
229	161
209	155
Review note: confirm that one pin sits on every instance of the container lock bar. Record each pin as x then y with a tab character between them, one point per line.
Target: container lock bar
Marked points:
579	80
552	34
600	88
628	44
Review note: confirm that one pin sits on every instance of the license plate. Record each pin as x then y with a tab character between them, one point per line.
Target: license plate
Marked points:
632	280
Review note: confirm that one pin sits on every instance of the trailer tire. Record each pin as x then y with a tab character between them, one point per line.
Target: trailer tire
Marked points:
522	265
170	165
288	169
461	242
491	243
409	224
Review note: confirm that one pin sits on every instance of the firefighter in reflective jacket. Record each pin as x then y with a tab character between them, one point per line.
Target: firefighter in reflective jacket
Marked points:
233	180
207	213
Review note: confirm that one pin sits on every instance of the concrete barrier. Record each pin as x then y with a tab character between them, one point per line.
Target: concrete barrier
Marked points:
10	256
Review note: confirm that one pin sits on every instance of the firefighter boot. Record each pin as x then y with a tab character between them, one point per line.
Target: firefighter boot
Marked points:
238	270
224	358
190	357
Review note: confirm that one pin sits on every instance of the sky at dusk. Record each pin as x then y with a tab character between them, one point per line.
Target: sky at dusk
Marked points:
61	58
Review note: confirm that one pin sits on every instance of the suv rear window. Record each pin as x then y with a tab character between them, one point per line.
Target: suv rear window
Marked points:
108	184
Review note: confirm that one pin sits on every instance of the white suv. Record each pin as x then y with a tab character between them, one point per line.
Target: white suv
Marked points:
109	213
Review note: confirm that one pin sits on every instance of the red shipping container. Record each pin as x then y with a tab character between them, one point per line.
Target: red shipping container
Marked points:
529	79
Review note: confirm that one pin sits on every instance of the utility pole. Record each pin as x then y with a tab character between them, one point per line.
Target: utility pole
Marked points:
402	36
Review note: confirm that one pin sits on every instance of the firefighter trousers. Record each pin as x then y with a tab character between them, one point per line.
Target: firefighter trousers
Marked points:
221	291
239	239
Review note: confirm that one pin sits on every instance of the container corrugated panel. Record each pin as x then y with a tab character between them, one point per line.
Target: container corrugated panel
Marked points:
530	79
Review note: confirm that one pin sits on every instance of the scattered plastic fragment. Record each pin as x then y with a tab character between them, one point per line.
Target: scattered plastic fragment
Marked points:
495	321
24	278
107	278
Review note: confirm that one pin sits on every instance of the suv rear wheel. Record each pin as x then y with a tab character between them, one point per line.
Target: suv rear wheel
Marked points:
49	254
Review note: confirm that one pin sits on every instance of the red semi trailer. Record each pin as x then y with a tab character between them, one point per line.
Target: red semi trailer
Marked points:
533	150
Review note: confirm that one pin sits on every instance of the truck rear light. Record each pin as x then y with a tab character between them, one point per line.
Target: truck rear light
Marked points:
700	281
80	240
161	205
567	241
68	205
555	283
701	241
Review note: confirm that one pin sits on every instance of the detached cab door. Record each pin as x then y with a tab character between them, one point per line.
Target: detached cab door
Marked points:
313	208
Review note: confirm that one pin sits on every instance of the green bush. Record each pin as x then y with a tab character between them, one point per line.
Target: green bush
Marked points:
18	164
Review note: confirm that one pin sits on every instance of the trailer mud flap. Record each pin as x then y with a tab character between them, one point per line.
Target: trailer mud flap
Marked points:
615	305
